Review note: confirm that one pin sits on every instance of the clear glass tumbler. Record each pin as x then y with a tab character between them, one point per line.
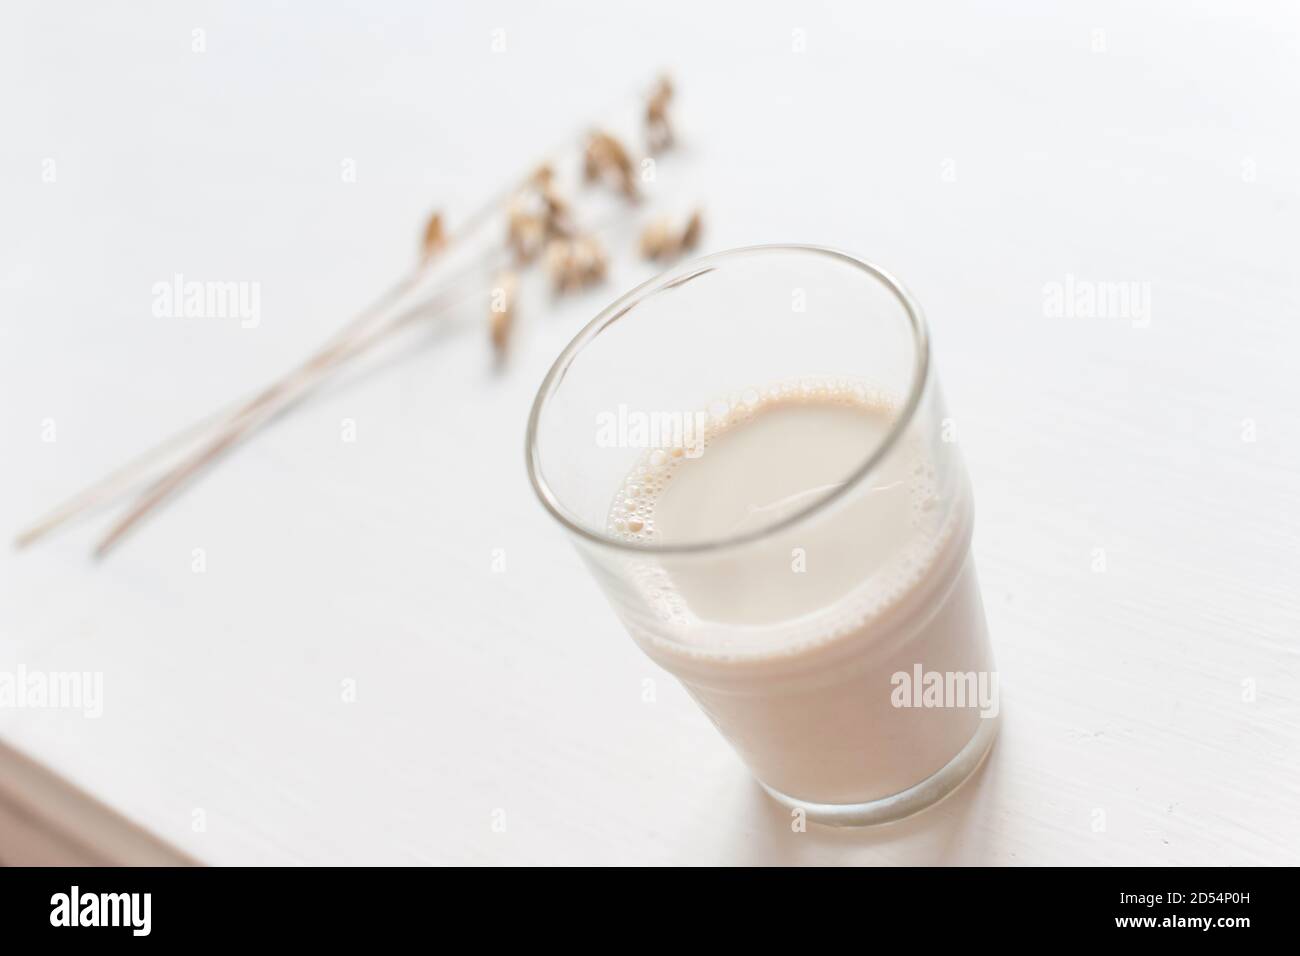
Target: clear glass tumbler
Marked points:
835	637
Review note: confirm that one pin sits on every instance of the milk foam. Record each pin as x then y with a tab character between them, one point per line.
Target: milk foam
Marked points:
907	559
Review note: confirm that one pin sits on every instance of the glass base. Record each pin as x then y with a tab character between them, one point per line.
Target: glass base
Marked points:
906	802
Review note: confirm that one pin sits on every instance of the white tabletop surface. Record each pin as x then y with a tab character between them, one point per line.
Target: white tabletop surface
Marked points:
1137	482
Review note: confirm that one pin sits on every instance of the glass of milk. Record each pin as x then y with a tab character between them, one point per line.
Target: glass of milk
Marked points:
752	455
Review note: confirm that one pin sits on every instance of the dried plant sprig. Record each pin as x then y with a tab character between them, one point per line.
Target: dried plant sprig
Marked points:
578	262
502	316
664	239
434	241
658	126
606	160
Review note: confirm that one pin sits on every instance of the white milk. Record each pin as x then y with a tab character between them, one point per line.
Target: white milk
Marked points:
791	643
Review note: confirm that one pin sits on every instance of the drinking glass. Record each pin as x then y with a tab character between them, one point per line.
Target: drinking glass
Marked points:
841	648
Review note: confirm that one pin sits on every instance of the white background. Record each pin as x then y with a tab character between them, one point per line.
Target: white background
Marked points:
980	154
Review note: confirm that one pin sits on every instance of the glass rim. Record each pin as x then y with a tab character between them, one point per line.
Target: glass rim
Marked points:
679	275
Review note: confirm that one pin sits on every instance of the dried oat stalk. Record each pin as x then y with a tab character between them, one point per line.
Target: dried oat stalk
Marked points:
538	220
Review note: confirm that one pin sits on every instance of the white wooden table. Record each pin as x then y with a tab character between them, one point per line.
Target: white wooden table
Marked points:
1138	482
